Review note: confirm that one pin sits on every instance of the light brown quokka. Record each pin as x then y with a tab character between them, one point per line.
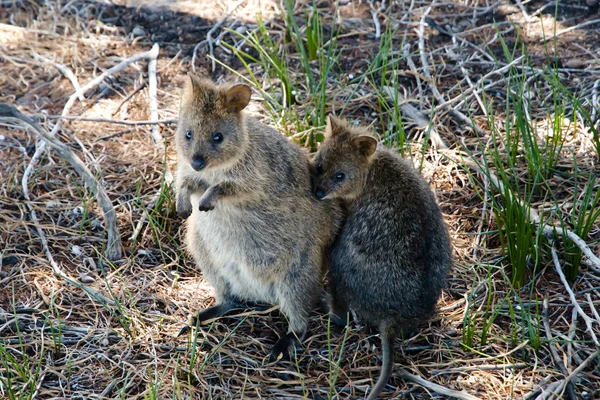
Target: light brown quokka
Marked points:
253	226
391	259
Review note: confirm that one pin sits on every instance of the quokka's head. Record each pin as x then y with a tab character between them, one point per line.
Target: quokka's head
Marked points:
210	130
340	167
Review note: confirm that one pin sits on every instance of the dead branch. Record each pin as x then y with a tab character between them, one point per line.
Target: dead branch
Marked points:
66	71
158	140
113	241
209	40
436	93
435	387
71	101
113	121
423	122
570	29
114	250
578	370
375	16
563	279
477	86
152	93
555	388
489	367
555	356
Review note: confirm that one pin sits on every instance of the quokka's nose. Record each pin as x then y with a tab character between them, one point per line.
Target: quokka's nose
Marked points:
319	193
198	163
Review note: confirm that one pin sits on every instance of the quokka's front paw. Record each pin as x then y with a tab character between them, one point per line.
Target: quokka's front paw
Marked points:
207	202
183	207
184	213
206	207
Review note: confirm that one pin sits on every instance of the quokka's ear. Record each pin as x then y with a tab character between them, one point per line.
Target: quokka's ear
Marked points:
189	89
237	97
365	144
335	127
197	88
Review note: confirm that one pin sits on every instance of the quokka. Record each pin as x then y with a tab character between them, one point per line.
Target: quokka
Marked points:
391	259
253	225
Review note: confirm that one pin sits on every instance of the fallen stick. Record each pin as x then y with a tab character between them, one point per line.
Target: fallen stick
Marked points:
66	71
555	388
578	370
158	140
435	387
375	17
114	250
474	88
41	146
553	353
113	121
152	93
563	279
209	34
423	122
570	29
71	101
436	93
489	367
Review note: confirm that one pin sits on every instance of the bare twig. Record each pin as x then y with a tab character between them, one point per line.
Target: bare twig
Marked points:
578	370
114	249
158	140
375	16
588	321
477	85
209	39
66	71
555	388
570	29
471	368
435	387
128	97
425	66
555	356
423	122
595	102
71	101
593	260
152	93
113	121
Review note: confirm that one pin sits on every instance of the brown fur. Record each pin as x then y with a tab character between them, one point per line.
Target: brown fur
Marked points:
255	229
391	259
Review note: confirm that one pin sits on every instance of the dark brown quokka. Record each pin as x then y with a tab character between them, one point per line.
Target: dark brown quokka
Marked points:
390	261
253	226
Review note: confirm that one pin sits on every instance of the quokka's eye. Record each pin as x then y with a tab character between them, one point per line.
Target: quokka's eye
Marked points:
217	137
340	176
320	168
188	135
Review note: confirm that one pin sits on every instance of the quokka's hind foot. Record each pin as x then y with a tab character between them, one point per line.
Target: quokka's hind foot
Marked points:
284	347
215	311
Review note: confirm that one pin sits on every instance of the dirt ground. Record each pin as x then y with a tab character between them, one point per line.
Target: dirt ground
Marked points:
119	339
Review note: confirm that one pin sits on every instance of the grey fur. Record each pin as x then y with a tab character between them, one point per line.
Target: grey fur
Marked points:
390	262
254	228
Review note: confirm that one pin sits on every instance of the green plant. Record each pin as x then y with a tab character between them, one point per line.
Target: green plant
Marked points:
384	76
585	213
334	368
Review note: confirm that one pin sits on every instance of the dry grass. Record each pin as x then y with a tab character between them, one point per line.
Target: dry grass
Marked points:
58	342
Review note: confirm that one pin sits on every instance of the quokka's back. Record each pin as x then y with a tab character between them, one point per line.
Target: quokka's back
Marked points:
390	262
